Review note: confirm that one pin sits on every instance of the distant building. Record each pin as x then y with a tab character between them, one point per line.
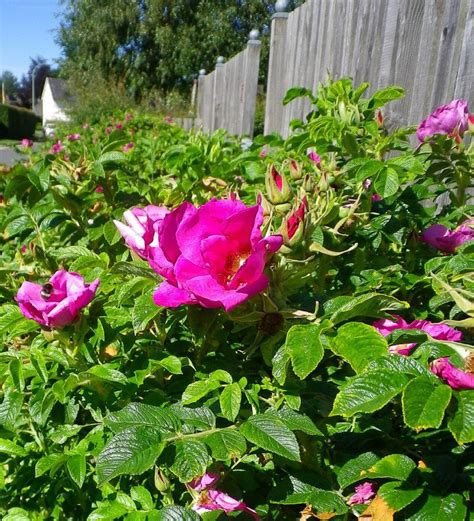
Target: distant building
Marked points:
54	99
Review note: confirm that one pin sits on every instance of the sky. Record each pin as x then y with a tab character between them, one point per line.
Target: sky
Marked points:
26	30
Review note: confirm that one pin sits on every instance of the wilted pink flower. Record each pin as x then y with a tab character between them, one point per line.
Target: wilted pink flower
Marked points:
210	499
376	198
436	331
74	137
128	147
128	117
23	249
214	255
66	157
447	240
119	126
453	376
58	302
169	120
85	126
448	119
314	157
108	130
56	148
99	189
142	229
264	151
364	493
26	143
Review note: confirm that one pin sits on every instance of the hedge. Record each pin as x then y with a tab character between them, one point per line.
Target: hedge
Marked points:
16	123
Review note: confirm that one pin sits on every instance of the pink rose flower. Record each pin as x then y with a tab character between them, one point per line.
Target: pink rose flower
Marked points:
108	130
56	148
23	249
448	119
128	117
436	331
447	240
314	157
142	229
74	137
169	120
119	126
364	493
451	375
213	255
58	302
210	499
26	143
128	147
99	189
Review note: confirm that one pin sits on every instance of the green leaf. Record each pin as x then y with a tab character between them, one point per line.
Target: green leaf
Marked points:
424	403
143	415
137	269
77	467
52	462
200	417
114	155
105	372
16	372
402	365
397	495
142	495
304	346
368	392
359	344
172	364
297	421
387	183
280	362
341	309
144	311
131	451
395	466
177	513
461	423
270	433
191	460
11	448
383	96
327	502
10	408
297	92
226	444
197	390
356	469
230	400
435	508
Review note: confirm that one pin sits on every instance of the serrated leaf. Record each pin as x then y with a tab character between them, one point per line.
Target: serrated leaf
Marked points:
144	311
359	344
143	415
114	155
280	363
11	448
142	495
395	466
226	444
16	372
397	495
304	347
368	392
137	269
355	469
131	451
197	390
461	423
387	183
270	433
230	400
436	508
424	403
200	417
297	421
326	502
52	462
10	409
400	364
108	373
77	467
177	513
191	460
172	364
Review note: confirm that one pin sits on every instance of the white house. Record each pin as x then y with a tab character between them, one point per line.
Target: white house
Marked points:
53	100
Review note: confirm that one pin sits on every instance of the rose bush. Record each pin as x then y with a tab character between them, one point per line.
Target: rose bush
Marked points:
268	382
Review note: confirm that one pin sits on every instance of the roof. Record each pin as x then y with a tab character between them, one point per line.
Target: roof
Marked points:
58	89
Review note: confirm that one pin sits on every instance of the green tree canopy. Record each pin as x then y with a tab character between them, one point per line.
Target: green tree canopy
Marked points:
157	44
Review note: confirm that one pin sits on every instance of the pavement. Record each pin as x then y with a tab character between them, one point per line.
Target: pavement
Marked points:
9	156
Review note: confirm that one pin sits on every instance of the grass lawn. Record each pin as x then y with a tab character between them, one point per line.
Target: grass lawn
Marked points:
9	142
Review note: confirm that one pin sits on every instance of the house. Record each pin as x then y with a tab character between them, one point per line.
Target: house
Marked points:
54	99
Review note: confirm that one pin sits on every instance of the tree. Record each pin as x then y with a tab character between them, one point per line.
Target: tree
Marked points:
42	70
150	44
10	83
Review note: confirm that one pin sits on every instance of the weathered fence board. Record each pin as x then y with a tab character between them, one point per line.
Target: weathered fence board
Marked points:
425	46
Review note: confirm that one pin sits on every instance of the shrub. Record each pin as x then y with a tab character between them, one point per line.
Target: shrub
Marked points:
17	123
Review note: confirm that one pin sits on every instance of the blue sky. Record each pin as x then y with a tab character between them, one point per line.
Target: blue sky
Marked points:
26	30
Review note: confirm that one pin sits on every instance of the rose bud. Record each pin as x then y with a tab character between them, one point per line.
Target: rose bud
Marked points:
278	189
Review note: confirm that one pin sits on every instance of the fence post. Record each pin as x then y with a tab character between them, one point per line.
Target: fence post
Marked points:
250	84
218	94
200	99
276	88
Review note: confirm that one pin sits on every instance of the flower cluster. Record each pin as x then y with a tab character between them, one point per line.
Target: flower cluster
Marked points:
450	119
447	240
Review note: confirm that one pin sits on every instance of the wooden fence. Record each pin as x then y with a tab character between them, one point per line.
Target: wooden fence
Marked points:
425	46
227	96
